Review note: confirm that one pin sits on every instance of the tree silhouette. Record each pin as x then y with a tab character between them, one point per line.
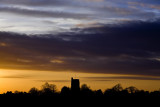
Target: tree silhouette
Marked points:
65	91
48	89
85	87
116	90
85	90
34	91
98	92
131	89
117	87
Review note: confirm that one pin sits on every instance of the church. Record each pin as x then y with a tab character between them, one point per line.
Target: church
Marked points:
75	85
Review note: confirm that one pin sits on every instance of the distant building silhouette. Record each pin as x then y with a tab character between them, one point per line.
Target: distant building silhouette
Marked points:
75	85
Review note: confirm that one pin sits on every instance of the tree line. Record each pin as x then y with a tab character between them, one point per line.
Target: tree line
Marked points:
51	90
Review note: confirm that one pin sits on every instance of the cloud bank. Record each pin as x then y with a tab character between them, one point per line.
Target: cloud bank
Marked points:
127	48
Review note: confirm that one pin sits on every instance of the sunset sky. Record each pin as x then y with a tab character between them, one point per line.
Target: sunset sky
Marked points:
101	42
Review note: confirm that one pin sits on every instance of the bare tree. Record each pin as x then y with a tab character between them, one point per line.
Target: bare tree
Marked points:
131	89
34	91
85	87
117	87
48	88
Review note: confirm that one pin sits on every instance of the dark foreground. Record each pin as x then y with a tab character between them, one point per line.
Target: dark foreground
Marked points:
79	100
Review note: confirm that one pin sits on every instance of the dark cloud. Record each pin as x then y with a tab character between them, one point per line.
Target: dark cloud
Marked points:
53	80
16	76
121	77
127	48
35	2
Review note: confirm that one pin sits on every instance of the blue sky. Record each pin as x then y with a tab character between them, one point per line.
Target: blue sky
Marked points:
56	16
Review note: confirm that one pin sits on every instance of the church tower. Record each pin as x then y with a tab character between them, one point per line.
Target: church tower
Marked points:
75	85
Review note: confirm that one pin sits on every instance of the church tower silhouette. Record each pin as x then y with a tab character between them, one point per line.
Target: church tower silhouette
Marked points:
75	85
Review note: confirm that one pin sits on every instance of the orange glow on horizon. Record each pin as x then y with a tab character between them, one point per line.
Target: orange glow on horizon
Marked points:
23	80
